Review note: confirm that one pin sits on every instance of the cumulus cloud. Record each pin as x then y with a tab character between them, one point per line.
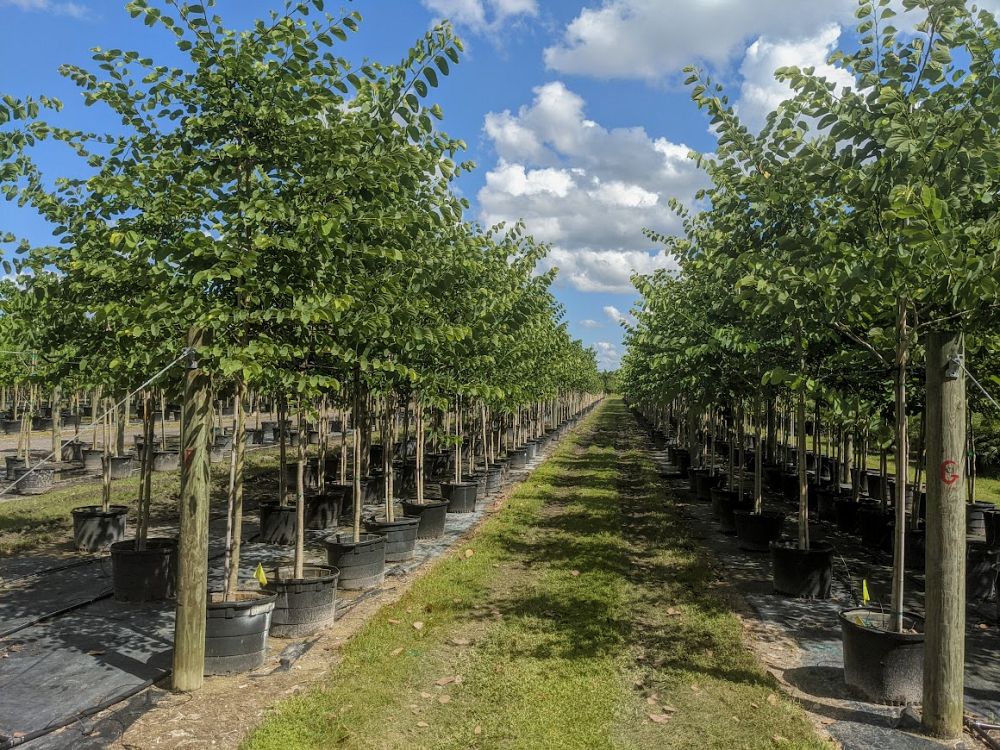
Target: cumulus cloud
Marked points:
655	38
482	15
71	9
585	189
614	313
588	323
760	93
609	356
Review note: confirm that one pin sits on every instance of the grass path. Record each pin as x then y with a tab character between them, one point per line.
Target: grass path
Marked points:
580	616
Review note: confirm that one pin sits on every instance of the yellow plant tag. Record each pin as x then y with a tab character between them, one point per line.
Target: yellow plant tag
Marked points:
262	578
864	591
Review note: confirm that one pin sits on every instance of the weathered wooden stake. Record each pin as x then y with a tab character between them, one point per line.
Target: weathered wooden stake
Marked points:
192	567
944	647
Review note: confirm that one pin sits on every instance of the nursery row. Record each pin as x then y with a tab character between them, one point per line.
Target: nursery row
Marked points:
832	303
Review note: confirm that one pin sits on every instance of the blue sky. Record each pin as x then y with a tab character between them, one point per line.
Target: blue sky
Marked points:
573	110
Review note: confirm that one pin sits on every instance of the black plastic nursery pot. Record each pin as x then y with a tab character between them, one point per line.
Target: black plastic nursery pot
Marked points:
531	450
13	464
400	536
323	511
432	517
121	466
461	496
975	518
146	575
804	573
826	505
718	495
915	547
236	631
166	461
93	461
302	605
277	523
879	664
361	564
96	529
34	481
846	512
981	563
875	526
728	506
494	476
991	520
518	458
756	531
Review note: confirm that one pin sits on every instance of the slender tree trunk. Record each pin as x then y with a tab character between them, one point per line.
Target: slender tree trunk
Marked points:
300	494
236	469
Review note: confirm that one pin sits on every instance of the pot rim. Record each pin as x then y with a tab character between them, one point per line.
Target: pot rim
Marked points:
793	546
775	514
274	575
346	540
404	521
425	504
97	510
917	620
154	545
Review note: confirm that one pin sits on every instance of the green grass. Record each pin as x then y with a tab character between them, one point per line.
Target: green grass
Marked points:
43	521
582	611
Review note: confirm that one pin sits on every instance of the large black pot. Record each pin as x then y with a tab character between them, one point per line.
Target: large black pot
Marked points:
166	461
846	511
981	562
493	478
93	460
915	546
991	520
518	458
728	506
881	665
147	575
756	531
975	520
400	536
13	464
302	605
121	466
34	481
718	495
236	631
802	573
461	496
875	526
96	529
432	517
361	564
826	505
323	511
277	523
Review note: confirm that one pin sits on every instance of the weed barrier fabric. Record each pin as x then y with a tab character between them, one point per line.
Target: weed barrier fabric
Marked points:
65	667
814	627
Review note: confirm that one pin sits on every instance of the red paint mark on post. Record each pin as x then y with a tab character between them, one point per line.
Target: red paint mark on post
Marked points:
948	472
188	455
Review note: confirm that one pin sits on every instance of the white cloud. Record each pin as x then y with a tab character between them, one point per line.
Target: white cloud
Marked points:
482	15
604	270
614	313
71	9
588	323
609	356
650	39
760	93
586	189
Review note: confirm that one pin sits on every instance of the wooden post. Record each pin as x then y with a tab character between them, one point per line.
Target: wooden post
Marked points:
944	647
902	469
192	563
